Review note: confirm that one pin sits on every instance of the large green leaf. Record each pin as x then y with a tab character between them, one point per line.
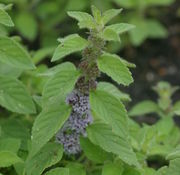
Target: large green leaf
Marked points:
70	44
8	158
94	152
5	19
58	171
113	90
174	167
84	19
115	68
14	55
174	154
109	109
59	85
115	168
144	107
14	96
102	135
49	155
46	125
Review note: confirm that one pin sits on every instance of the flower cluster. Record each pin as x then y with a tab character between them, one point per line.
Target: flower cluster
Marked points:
76	124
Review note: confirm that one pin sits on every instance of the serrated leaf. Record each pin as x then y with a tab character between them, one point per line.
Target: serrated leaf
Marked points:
144	107
115	168
8	158
76	169
120	27
102	135
14	96
115	68
58	171
61	67
59	85
27	25
46	125
113	90
94	152
70	44
14	55
109	14
49	155
109	109
5	19
84	19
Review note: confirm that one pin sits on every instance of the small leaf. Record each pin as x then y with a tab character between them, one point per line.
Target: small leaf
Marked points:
102	135
110	110
8	158
94	152
115	68
97	14
70	44
76	169
59	85
143	108
15	97
46	125
110	35
49	155
109	14
5	19
174	154
14	55
85	20
58	171
113	90
115	168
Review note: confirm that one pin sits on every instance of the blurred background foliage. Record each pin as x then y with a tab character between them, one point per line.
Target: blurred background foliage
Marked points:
154	45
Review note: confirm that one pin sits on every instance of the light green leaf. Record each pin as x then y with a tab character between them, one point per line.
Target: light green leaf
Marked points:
94	152
174	154
70	44
110	35
97	14
13	54
27	25
5	19
176	108
110	110
49	155
109	14
113	90
58	171
59	85
144	107
174	167
14	96
8	158
115	68
84	19
115	168
76	169
102	135
46	125
120	27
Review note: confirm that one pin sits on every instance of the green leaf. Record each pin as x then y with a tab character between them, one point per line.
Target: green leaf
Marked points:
109	14
132	171
110	35
14	55
127	3
102	135
8	158
76	169
94	152
176	108
144	107
85	20
113	90
174	154
49	155
58	171
115	68
59	85
70	44
174	167
14	96
46	125
120	27
27	25
115	168
110	110
5	19
97	14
